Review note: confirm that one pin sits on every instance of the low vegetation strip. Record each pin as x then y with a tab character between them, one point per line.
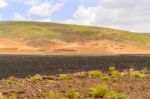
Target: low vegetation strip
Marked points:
24	65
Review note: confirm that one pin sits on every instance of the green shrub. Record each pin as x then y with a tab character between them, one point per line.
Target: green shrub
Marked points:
72	94
114	73
63	77
50	81
10	81
34	79
95	74
106	77
116	95
137	74
98	92
112	69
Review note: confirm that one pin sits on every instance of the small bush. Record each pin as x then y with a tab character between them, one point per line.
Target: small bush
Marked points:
137	74
50	81
114	73
72	94
112	69
98	92
10	81
95	74
34	79
116	95
63	77
106	78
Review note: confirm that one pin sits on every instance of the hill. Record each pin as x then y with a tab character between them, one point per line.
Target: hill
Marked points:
63	38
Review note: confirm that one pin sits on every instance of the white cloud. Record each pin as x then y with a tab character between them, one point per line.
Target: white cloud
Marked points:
19	17
46	9
3	3
31	2
133	15
28	2
45	20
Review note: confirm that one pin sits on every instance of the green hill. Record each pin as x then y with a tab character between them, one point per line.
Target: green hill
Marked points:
32	31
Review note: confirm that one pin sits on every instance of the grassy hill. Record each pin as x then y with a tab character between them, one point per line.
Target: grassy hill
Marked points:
32	31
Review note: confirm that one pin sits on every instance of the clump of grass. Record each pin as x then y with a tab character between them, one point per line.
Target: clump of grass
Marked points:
63	77
95	74
98	91
50	95
116	95
104	92
137	74
112	69
106	78
10	81
50	81
35	78
72	94
114	73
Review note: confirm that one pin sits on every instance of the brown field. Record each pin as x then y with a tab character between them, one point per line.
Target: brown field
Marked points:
56	87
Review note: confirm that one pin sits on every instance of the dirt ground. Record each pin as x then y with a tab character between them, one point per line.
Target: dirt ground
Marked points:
37	87
92	47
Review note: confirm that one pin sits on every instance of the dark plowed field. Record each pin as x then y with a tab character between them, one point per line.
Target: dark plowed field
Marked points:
25	65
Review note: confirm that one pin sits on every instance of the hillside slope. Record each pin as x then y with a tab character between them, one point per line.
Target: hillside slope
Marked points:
74	39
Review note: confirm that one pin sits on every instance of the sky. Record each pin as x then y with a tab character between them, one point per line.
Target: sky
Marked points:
131	15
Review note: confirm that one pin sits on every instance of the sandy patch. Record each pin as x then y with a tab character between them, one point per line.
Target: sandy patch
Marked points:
92	47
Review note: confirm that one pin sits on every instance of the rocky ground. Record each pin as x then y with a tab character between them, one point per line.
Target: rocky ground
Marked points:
128	84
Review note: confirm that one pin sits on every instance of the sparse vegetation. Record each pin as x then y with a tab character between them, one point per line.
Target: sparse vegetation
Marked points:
63	77
137	74
95	73
34	31
99	91
72	94
9	81
98	85
112	69
106	77
116	95
35	78
104	92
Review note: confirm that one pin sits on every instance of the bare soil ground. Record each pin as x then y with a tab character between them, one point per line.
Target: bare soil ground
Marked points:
91	47
43	85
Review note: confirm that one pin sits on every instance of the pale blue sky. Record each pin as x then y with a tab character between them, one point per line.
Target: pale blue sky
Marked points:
22	8
132	15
